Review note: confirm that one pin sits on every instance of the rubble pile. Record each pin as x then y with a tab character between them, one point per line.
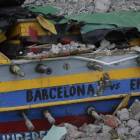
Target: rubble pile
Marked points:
124	126
67	7
77	48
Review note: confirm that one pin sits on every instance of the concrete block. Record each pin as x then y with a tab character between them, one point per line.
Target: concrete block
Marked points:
132	124
122	125
105	136
135	108
106	129
118	114
59	45
73	134
70	127
122	131
90	46
132	139
124	115
101	6
111	46
91	128
29	1
135	131
55	49
137	116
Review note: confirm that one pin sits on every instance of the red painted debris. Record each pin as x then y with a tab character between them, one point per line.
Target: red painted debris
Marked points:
33	34
112	122
66	41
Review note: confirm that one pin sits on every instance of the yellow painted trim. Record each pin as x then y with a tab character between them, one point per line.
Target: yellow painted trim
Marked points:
13	42
13	31
22	29
67	80
67	102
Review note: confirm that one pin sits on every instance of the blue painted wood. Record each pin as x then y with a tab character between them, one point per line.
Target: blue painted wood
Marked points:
24	136
61	111
62	93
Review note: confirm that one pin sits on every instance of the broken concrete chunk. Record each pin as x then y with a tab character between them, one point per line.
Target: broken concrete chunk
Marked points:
135	108
122	131
105	136
73	134
111	46
122	125
84	135
106	129
70	127
29	1
86	138
91	128
136	48
119	122
113	132
55	49
90	46
96	122
135	131
132	138
103	44
82	45
132	124
118	114
109	128
101	6
131	117
124	115
72	43
137	117
59	45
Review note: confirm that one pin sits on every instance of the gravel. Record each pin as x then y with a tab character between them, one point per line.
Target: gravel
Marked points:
67	7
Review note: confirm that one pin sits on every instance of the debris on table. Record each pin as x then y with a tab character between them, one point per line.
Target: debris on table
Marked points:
58	50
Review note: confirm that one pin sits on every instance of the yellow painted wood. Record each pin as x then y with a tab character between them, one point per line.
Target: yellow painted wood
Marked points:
67	80
2	39
13	42
124	103
35	25
67	102
2	36
22	29
4	59
14	31
135	42
46	24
